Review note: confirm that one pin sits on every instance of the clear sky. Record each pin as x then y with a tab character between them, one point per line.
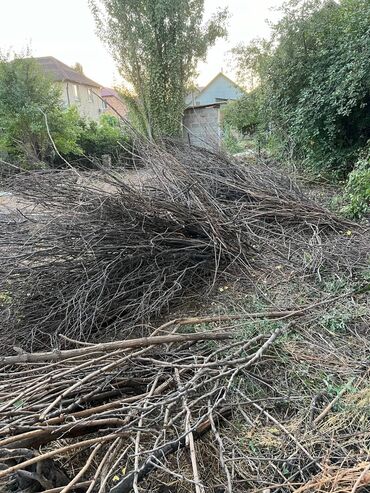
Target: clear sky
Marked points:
65	29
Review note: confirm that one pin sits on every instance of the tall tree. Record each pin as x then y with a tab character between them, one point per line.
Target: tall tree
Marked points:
314	74
157	45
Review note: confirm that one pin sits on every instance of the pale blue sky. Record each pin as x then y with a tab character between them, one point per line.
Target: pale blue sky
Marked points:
65	29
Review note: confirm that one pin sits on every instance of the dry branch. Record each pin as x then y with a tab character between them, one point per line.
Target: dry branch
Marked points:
52	453
111	346
125	485
100	259
151	416
103	255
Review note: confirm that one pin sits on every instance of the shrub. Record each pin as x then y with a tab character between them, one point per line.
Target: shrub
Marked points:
96	139
357	192
26	96
232	141
243	114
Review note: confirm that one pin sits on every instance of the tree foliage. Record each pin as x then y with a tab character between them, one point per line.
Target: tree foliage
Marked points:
26	96
135	111
314	75
357	192
157	46
244	113
97	138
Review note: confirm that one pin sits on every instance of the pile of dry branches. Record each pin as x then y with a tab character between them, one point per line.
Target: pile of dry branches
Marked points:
100	254
200	410
141	404
93	399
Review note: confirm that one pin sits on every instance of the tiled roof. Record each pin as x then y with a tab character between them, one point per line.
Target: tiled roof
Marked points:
107	91
59	71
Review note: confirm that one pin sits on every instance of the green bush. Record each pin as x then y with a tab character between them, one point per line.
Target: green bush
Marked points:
96	139
27	96
65	128
243	114
232	141
314	80
357	192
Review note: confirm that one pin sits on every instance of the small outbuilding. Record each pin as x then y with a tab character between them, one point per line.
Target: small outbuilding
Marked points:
202	121
202	125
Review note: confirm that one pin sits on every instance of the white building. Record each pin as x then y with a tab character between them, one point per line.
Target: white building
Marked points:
77	89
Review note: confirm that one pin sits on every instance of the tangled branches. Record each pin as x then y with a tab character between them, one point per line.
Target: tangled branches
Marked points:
115	406
162	401
200	411
100	255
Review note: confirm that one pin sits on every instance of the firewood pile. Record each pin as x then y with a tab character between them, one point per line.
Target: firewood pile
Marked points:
92	397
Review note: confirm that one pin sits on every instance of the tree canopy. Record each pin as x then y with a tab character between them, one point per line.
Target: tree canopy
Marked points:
31	110
157	46
243	114
26	96
314	75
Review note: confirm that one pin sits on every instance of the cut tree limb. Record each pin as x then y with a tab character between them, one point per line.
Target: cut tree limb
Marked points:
47	455
111	346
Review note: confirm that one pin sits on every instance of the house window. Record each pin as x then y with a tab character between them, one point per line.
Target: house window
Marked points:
221	100
76	92
90	95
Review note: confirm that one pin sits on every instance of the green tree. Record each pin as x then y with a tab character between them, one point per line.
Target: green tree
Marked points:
78	67
157	45
315	81
250	62
244	113
27	100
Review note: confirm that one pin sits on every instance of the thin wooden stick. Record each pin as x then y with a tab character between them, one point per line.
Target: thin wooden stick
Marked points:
283	428
279	314
84	484
83	470
102	464
138	436
360	479
190	439
86	443
125	485
332	403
